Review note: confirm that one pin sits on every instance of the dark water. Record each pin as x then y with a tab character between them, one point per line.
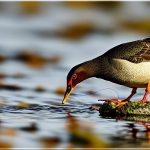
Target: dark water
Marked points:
28	88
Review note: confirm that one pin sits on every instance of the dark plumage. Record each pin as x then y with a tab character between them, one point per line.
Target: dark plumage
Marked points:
136	51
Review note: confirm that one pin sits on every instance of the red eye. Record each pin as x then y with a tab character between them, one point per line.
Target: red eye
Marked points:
74	76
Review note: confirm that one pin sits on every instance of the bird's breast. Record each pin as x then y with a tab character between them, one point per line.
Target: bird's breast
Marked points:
129	74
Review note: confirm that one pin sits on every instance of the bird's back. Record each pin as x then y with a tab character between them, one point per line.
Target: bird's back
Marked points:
130	49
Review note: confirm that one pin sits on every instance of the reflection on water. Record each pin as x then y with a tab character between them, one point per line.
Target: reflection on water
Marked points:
137	133
39	43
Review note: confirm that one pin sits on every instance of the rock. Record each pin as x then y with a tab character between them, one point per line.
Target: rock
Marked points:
109	109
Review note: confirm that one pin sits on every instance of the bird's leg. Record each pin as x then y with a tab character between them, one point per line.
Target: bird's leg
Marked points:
120	104
144	99
129	97
147	91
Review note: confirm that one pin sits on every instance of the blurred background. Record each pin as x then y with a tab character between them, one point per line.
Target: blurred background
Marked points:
39	43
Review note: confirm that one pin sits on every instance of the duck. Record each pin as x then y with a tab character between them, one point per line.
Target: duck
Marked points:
127	64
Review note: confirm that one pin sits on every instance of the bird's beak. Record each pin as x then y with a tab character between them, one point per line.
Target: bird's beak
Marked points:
67	93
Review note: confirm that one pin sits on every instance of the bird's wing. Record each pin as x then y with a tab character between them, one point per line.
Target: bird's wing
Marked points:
135	52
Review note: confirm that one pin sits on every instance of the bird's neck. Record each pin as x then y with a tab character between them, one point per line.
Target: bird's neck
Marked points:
97	66
101	67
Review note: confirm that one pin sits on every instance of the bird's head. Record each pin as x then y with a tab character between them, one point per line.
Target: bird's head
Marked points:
76	75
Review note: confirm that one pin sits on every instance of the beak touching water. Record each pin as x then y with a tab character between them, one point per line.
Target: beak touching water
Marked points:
67	93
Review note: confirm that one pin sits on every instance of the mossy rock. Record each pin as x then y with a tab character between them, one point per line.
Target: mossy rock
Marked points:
130	110
137	118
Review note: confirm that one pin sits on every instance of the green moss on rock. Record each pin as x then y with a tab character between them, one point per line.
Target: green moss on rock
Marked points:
109	109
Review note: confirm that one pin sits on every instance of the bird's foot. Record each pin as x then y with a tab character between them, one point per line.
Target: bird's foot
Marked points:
120	104
123	102
144	100
110	100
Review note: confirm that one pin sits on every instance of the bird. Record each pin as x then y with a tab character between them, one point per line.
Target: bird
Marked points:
127	64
